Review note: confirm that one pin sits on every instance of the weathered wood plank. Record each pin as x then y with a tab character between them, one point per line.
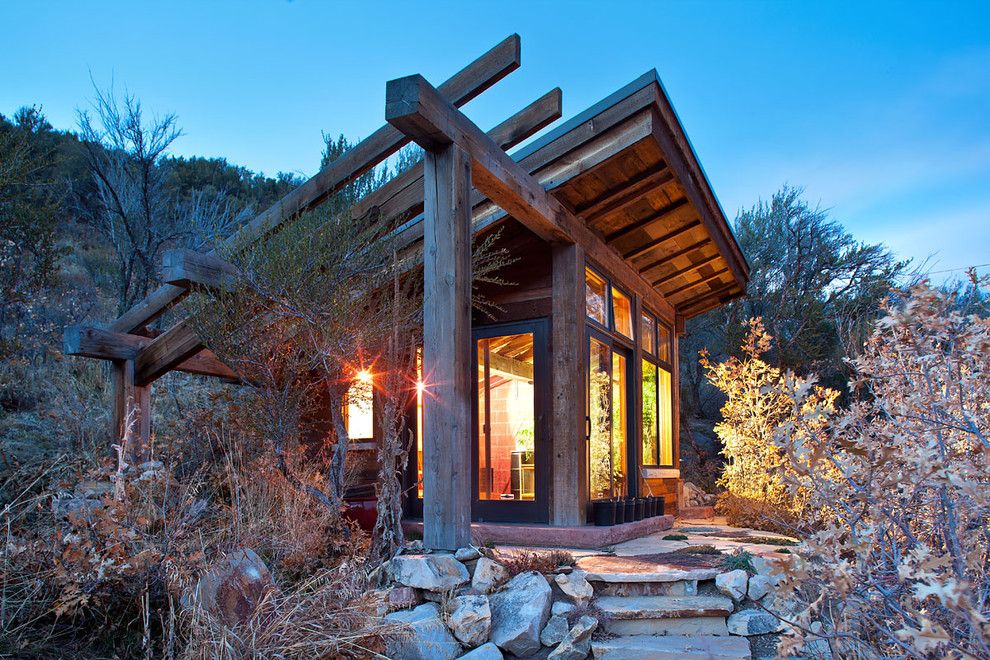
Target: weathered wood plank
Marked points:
101	344
673	275
402	197
166	351
188	268
413	105
674	255
691	285
463	86
131	413
660	240
569	490
654	218
627	195
447	473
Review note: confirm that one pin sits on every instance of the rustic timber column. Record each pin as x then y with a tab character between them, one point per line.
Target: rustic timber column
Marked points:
568	493
131	413
447	349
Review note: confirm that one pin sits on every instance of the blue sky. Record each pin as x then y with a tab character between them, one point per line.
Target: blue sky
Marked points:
880	111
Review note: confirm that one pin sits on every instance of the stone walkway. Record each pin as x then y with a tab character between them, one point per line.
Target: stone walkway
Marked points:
712	531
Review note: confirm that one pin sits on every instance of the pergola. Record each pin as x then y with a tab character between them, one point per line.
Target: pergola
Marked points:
618	186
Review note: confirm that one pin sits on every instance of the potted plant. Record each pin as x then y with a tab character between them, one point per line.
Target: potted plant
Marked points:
603	512
522	473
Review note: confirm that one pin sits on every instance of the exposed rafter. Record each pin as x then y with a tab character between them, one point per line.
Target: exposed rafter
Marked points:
673	275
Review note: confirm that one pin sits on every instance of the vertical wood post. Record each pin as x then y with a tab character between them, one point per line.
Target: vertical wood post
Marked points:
447	349
131	406
569	488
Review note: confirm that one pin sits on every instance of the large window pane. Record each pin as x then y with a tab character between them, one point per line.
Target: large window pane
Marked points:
600	419
620	415
506	418
663	342
595	296
650	445
622	313
648	333
666	417
359	408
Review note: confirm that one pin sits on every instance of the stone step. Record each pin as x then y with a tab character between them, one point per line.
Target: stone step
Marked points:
626	570
664	607
664	615
678	588
671	647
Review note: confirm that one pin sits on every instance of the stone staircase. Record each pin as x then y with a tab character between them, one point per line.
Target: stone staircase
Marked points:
663	613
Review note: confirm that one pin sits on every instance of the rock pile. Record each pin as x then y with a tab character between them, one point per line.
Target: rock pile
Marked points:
464	604
695	496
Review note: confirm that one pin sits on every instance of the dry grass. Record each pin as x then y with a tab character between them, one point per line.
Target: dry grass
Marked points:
541	561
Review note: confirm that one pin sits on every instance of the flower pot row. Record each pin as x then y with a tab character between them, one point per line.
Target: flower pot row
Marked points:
624	510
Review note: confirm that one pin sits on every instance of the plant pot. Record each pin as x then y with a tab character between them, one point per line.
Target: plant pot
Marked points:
363	510
640	508
603	512
630	506
659	506
620	511
654	506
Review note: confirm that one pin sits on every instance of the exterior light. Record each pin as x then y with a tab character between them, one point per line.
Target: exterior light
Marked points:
364	376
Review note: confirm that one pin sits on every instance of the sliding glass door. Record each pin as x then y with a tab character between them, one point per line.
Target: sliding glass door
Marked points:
510	453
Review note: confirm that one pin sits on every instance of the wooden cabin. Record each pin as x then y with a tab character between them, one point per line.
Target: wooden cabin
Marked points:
570	393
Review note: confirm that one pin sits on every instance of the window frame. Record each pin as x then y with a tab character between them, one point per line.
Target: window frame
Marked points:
653	358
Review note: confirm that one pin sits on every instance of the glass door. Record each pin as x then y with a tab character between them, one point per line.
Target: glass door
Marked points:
608	419
510	457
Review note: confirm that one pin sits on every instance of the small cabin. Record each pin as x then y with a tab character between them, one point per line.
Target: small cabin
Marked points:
567	393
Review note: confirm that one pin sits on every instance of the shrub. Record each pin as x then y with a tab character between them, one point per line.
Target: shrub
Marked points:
675	537
543	561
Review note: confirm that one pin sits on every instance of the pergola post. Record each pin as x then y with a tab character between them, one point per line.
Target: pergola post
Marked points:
569	491
131	412
447	349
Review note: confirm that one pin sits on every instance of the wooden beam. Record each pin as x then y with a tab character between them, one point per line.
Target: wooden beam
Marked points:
188	268
653	218
691	285
674	255
687	269
568	492
403	196
626	195
85	341
463	86
131	413
721	294
100	344
447	432
660	240
413	105
511	366
166	351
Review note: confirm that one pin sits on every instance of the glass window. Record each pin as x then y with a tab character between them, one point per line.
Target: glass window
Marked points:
607	417
648	333
359	408
665	414
649	413
622	313
595	293
663	342
506	418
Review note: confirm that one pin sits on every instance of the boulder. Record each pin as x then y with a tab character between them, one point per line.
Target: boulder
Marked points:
561	608
576	645
575	587
753	622
488	575
555	631
733	584
422	635
403	598
435	572
466	554
233	589
761	585
470	619
484	652
519	613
